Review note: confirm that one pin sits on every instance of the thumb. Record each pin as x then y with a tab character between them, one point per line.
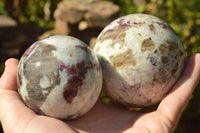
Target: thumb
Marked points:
8	80
14	115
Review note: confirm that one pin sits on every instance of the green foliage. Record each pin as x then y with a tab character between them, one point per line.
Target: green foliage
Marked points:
127	6
184	17
40	12
2	10
105	98
32	12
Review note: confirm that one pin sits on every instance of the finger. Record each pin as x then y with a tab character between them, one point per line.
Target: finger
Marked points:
175	102
14	115
8	80
13	111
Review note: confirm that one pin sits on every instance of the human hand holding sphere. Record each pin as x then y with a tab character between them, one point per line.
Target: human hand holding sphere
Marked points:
100	117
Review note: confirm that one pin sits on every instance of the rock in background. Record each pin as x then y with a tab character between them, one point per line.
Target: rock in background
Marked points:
83	19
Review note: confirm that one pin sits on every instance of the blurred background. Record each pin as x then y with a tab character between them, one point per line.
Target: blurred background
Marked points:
23	22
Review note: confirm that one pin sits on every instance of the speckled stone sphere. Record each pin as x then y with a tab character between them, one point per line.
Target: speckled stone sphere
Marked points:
59	77
141	58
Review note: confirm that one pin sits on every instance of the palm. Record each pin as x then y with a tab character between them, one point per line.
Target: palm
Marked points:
16	117
114	118
110	118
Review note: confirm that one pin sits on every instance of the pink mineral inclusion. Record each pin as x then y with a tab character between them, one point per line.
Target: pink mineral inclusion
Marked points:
83	48
76	75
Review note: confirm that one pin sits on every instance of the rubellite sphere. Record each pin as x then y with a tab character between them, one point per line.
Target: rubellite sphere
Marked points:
141	57
59	77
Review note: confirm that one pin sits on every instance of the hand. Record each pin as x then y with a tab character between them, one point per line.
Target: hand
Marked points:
113	118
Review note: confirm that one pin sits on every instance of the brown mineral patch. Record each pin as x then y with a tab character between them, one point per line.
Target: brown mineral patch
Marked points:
164	49
135	86
147	44
163	76
111	34
148	100
106	36
40	64
161	71
160	77
119	39
117	35
164	60
172	45
155	80
152	61
174	69
152	28
123	59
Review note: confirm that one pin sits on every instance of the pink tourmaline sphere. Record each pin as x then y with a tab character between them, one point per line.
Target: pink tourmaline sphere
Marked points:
59	77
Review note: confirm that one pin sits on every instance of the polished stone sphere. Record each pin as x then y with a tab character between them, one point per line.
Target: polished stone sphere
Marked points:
141	57
59	77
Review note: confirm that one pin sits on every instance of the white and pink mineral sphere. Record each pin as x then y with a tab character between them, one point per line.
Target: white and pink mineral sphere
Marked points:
59	77
141	57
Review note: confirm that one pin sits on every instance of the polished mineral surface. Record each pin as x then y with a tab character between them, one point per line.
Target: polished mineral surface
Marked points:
59	77
141	57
